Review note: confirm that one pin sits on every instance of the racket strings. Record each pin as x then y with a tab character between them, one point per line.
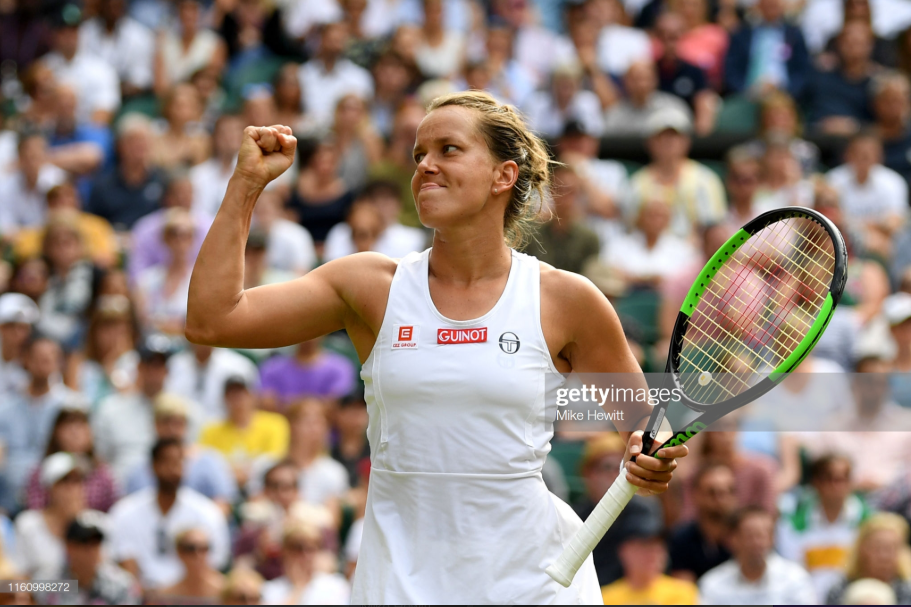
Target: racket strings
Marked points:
756	310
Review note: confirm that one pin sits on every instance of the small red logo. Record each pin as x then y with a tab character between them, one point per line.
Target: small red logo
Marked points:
405	333
462	336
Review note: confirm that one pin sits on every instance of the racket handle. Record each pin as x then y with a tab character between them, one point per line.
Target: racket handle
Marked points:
564	569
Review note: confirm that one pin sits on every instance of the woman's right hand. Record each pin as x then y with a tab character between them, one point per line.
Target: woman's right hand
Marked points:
265	153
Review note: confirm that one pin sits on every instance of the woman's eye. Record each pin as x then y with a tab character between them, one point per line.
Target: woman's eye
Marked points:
418	158
447	148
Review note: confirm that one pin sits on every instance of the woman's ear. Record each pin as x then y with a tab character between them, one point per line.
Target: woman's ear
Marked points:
505	177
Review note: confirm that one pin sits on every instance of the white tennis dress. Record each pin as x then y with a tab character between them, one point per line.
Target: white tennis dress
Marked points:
457	510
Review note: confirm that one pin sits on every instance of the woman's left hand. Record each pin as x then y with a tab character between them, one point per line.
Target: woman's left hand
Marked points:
650	473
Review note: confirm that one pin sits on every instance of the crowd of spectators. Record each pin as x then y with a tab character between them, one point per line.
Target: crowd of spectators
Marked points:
151	469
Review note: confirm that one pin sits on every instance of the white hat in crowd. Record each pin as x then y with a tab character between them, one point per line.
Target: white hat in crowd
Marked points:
897	308
57	466
16	307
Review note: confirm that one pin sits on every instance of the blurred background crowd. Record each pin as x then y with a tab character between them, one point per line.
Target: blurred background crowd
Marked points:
153	470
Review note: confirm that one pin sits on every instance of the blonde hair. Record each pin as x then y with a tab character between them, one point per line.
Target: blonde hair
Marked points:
509	138
238	579
881	521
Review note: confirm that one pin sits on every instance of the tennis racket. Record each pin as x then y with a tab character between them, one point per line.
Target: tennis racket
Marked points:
754	313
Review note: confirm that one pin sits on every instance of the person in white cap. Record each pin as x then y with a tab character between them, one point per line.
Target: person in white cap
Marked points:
27	417
40	533
18	313
694	193
897	310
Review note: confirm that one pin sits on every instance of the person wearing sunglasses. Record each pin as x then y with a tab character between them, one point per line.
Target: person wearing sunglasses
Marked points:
302	583
201	580
242	587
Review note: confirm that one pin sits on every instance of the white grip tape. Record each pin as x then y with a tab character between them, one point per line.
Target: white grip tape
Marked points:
564	569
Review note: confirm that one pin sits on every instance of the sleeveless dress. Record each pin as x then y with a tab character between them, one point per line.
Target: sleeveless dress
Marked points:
457	510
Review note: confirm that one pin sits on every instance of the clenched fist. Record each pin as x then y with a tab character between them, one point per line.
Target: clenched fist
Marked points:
265	153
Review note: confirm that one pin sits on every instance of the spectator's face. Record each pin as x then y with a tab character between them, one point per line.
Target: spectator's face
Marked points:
193	550
565	87
64	247
870	386
75	436
151	375
13	335
778	163
857	9
406	125
654	217
135	147
268	208
310	426
669	28
288	88
455	170
901	333
32	156
742	181
31	279
352	418
299	552
239	403
499	42
68	493
179	240
864	153
716	496
771	10
112	10
779	119
64	198
641	81
855	43
350	112
259	110
366	227
565	192
601	474
647	554
111	334
168	468
179	195
245	592
43	360
389	206
84	557
753	539
281	487
834	483
325	160
65	103
879	555
171	426
66	41
668	145
334	40
391	75
693	11
433	12
892	104
188	14
184	105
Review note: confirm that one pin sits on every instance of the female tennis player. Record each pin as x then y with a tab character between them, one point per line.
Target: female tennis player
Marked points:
455	344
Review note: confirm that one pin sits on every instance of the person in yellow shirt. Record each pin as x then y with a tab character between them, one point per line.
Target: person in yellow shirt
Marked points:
643	555
97	234
247	433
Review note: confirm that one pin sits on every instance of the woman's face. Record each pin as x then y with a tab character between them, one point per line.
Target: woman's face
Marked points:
455	170
288	89
188	14
75	436
68	493
780	119
349	113
111	333
193	548
325	160
879	555
179	240
63	248
184	106
31	279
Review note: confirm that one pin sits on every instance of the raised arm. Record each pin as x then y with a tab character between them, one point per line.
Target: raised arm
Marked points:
333	297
